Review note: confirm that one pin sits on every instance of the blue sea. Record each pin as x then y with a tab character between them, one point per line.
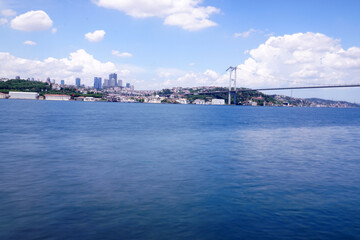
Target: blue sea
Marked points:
98	170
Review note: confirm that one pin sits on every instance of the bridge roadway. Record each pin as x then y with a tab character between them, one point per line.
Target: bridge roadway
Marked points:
280	88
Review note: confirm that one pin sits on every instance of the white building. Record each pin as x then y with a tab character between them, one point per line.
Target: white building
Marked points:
57	97
199	101
218	102
23	95
81	98
182	101
154	100
3	95
89	99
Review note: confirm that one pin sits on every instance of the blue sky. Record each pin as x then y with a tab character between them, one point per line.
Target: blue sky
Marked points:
158	44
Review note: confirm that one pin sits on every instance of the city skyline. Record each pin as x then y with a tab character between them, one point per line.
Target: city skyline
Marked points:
187	43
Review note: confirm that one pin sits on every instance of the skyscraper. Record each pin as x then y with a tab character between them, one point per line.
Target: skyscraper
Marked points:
97	83
62	82
77	80
127	85
106	83
112	82
120	83
113	79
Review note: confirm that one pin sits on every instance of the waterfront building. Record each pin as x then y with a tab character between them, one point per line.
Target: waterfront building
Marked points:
78	82
218	101
199	101
154	100
89	99
62	82
57	97
81	98
23	95
97	82
3	95
182	101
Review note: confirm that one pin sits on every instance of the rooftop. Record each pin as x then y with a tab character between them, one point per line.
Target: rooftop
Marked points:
58	95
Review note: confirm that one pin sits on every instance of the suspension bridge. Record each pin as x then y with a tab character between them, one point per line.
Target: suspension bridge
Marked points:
232	90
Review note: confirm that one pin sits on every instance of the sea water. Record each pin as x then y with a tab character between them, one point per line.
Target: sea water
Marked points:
98	170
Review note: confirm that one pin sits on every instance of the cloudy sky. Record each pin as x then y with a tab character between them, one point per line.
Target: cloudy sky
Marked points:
156	44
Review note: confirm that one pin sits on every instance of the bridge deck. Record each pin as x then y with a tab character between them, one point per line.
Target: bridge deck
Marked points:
281	88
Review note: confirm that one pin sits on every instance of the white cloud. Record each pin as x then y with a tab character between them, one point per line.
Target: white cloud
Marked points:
8	13
186	14
3	21
169	72
119	54
32	21
300	59
245	34
95	36
78	64
174	77
30	43
53	30
195	20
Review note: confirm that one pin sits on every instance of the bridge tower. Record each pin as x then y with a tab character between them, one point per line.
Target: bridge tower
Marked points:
232	83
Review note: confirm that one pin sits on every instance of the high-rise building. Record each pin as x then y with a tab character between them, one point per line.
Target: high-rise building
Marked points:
62	82
113	79
112	82
17	77
127	85
120	83
106	83
78	82
97	82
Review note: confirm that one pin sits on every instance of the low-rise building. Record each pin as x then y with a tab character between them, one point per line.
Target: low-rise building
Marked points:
199	101
81	98
89	99
3	95
56	86
23	95
250	103
182	101
218	102
57	97
154	100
